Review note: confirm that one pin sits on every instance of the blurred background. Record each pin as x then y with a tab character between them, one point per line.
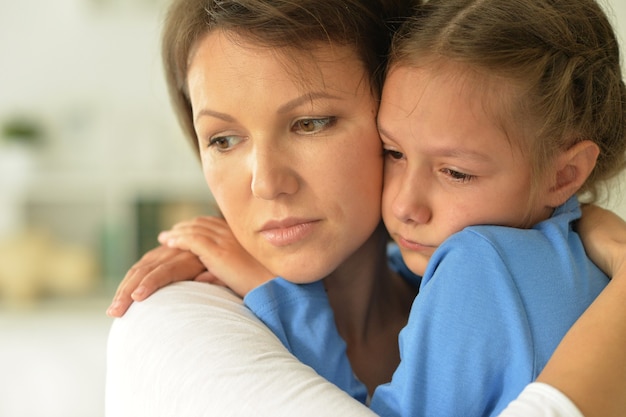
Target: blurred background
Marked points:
92	166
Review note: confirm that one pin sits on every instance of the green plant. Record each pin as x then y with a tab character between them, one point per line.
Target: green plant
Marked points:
22	129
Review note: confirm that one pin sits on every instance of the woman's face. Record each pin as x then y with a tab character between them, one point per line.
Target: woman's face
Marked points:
290	151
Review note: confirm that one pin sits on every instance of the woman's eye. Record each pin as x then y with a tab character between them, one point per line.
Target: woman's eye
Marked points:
309	126
224	143
392	154
457	175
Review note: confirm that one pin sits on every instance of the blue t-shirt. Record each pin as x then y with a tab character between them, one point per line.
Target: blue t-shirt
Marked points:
302	318
493	305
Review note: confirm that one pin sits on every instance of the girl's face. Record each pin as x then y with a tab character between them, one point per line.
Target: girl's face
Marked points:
291	152
448	163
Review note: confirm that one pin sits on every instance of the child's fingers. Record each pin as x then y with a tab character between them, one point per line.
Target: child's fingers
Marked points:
182	267
118	307
122	298
209	246
207	276
163	265
217	248
214	226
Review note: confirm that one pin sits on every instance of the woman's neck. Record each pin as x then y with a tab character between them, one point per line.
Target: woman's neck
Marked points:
371	303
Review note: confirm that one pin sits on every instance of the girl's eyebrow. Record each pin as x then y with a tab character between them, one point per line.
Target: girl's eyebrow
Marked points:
383	132
454	152
298	101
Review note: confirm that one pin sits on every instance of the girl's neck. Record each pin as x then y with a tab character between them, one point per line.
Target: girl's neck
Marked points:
371	303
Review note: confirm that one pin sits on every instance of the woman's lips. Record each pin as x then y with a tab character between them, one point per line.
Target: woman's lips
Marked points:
288	231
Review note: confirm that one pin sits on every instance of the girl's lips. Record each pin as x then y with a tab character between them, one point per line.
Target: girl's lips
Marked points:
414	246
287	232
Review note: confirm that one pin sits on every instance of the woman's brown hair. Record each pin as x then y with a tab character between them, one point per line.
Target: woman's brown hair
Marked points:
366	25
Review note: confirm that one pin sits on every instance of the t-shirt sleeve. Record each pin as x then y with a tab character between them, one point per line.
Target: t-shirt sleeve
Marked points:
541	400
301	317
463	351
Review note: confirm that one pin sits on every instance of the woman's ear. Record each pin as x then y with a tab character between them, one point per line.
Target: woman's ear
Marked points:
573	167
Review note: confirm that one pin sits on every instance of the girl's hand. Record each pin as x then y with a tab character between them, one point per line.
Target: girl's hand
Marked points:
211	239
157	268
604	235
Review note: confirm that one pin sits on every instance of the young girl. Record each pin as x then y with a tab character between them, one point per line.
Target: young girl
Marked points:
283	184
489	121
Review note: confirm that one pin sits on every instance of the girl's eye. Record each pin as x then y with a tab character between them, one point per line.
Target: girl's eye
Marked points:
224	143
310	126
390	153
458	176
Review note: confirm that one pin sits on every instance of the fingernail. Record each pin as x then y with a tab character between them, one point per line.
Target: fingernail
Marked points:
113	307
139	292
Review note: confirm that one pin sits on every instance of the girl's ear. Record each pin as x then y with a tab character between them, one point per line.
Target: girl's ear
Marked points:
573	167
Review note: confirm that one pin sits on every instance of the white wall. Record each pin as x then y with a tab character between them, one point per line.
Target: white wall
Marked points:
93	73
616	9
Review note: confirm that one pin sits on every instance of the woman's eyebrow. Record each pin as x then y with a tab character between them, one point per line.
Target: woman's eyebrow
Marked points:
213	113
298	101
288	106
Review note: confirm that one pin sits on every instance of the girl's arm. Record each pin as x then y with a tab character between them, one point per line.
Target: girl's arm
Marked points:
202	249
589	366
228	263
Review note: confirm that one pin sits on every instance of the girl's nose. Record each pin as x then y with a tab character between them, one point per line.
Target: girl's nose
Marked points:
410	204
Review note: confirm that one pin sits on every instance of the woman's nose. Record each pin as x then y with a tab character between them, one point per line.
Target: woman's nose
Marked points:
273	175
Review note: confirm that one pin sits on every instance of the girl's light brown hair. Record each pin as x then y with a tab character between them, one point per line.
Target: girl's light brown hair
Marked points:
562	56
